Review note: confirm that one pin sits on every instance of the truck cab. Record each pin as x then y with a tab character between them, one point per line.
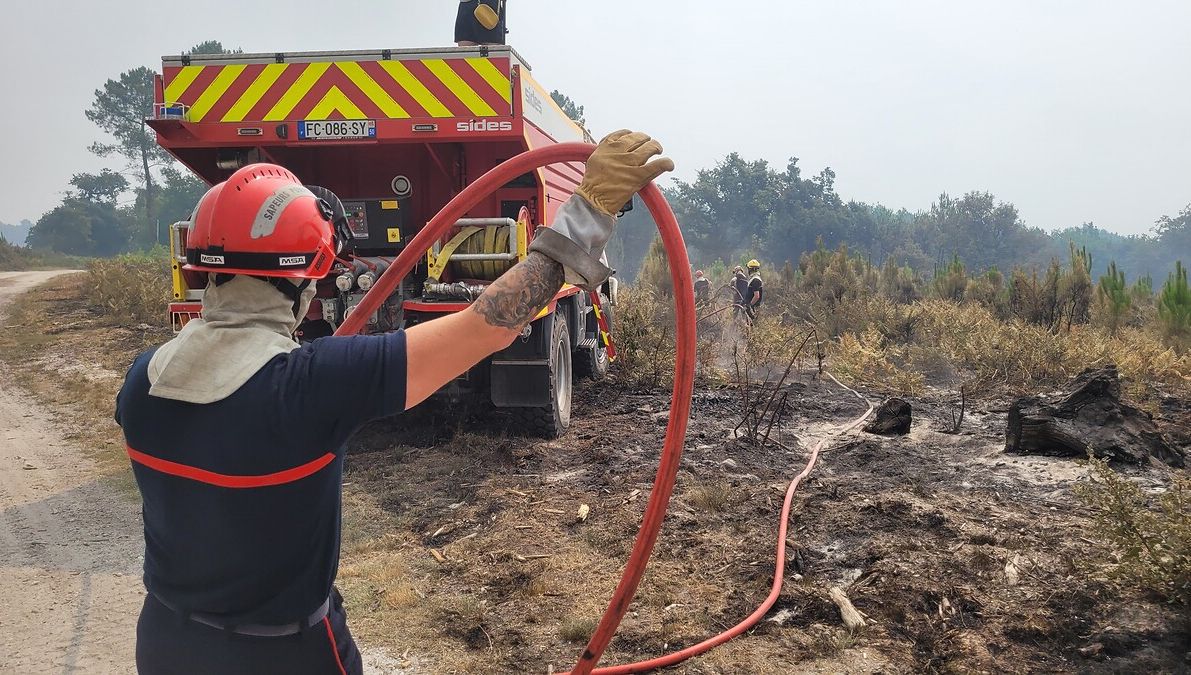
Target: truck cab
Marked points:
396	134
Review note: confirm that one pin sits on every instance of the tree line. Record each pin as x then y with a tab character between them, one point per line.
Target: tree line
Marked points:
129	208
734	210
741	209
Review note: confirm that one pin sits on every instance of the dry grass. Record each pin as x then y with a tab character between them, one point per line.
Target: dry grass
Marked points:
644	337
132	288
577	629
711	497
868	359
1011	354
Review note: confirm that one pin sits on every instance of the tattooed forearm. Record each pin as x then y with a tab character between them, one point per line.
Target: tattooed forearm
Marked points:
513	300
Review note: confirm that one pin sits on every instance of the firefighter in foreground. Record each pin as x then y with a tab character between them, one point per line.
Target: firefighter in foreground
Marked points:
236	432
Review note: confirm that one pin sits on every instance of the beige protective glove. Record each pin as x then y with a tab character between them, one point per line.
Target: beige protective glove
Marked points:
618	168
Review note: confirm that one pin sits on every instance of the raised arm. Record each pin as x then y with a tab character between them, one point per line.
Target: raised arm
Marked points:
569	250
441	350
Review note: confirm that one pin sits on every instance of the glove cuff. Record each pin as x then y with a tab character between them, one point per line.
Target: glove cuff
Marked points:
579	267
595	203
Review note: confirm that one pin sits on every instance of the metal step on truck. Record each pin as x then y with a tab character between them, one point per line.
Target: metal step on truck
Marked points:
395	134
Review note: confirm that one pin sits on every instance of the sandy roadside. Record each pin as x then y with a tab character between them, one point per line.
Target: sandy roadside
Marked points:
70	547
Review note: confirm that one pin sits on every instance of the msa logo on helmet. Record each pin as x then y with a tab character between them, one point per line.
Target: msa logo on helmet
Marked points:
211	259
483	125
266	218
292	260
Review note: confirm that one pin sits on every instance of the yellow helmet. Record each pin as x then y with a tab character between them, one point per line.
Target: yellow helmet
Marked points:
754	263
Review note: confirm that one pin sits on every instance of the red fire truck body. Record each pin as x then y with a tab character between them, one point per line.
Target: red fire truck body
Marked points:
395	134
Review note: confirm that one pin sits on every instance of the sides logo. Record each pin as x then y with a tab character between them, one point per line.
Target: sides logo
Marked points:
531	98
483	125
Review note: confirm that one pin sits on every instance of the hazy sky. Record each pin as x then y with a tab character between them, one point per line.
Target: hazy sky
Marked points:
1075	111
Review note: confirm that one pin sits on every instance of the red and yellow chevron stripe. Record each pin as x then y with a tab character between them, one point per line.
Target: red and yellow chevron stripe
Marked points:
410	88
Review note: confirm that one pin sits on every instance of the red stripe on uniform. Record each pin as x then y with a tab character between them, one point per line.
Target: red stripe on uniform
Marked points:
224	480
334	647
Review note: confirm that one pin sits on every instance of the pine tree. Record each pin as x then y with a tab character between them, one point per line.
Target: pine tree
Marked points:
655	271
1114	297
1174	306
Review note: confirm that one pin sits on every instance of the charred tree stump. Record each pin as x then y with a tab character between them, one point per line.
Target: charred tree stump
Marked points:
1089	416
891	417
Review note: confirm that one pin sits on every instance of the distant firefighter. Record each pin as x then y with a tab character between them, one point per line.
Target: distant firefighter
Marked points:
702	288
480	22
755	288
740	294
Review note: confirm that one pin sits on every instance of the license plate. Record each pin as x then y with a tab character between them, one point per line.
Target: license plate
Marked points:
336	130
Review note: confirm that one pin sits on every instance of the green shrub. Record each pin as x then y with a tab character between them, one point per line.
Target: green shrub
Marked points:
1151	543
655	271
11	257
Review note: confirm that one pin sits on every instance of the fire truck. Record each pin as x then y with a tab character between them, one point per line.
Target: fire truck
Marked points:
395	134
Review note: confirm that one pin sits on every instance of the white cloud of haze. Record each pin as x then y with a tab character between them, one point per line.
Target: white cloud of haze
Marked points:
1074	111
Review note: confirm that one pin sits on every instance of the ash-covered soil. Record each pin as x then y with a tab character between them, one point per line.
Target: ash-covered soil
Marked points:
465	546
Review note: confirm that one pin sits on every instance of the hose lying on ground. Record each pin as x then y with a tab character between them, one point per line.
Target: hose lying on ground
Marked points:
778	573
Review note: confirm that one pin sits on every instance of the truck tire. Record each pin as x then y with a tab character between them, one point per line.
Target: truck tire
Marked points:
594	362
552	421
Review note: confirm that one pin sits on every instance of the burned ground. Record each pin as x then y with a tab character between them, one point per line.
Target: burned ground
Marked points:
463	551
964	559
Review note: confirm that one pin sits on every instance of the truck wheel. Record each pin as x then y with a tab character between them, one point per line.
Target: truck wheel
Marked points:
594	362
552	421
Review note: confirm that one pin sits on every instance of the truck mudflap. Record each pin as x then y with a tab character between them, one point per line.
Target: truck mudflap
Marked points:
520	373
521	384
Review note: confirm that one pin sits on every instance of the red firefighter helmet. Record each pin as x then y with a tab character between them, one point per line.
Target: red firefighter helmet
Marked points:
262	221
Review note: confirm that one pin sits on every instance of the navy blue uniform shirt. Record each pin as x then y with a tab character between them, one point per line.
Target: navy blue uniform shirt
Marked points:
241	497
755	286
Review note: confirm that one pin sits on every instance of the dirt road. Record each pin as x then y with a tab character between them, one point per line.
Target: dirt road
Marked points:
70	546
70	540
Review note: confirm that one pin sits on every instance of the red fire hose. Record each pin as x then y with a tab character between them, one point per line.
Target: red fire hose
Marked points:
684	367
680	401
